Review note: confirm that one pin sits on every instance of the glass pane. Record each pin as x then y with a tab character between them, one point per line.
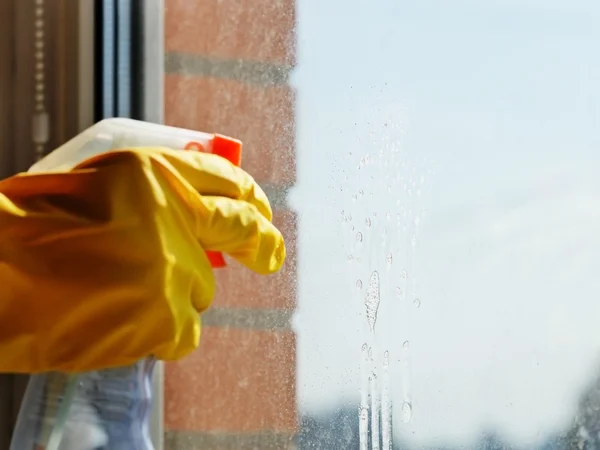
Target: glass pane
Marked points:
465	134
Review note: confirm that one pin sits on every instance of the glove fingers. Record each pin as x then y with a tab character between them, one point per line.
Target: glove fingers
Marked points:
206	173
213	175
239	229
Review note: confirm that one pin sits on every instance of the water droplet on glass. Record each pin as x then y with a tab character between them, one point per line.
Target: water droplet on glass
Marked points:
417	303
361	192
372	299
406	412
364	416
365	347
359	284
354	197
386	358
388	258
368	222
370	352
403	274
374	214
388	215
410	192
399	217
398	291
343	213
349	217
389	188
406	344
359	237
413	242
350	258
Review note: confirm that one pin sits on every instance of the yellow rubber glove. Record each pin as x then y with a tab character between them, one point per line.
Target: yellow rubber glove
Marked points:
103	265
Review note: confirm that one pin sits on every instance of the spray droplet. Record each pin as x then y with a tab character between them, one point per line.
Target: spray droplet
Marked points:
349	217
398	291
388	215
359	237
359	284
361	192
413	242
354	197
370	352
403	274
405	345
372	299
386	358
343	213
365	347
389	188
417	303
350	258
406	412
388	259
368	222
410	192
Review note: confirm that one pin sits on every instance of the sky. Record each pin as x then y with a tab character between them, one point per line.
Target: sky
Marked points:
475	124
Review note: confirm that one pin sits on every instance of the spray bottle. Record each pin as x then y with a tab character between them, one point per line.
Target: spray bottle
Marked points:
106	409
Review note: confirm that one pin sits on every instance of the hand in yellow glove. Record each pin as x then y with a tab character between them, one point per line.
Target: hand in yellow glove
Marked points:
103	265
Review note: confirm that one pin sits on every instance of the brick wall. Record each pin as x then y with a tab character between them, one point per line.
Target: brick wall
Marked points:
228	64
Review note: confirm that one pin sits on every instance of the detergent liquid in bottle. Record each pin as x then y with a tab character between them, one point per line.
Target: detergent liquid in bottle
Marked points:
105	409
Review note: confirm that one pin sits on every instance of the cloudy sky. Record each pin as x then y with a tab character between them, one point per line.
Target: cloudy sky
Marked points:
476	125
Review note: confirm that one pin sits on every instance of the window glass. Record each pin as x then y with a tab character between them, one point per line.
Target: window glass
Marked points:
466	134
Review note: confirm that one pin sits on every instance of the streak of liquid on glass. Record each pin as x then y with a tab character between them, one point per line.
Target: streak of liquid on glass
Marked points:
375	412
365	406
386	405
373	299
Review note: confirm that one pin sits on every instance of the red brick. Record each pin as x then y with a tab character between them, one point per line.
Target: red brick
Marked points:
240	288
238	380
259	30
262	117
